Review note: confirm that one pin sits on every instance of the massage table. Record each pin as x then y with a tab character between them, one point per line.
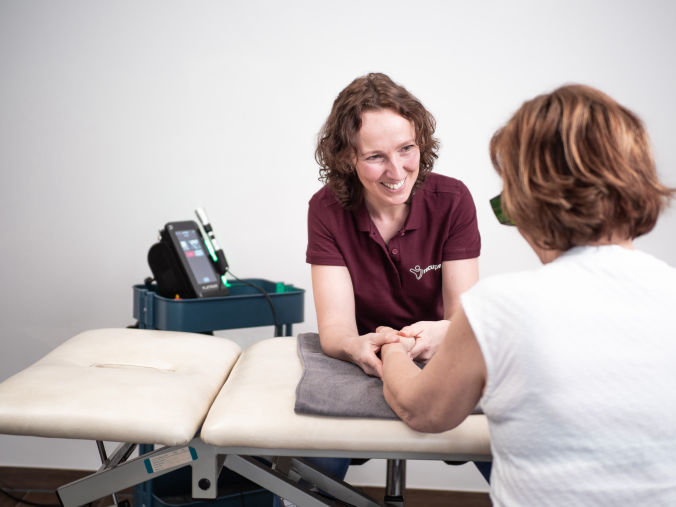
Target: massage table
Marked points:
202	401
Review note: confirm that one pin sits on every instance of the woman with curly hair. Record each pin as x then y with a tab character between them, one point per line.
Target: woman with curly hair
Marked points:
572	362
392	245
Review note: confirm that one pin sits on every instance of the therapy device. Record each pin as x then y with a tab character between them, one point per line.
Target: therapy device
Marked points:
182	263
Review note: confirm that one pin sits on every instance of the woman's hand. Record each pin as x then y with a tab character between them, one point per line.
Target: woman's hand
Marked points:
406	341
428	335
365	349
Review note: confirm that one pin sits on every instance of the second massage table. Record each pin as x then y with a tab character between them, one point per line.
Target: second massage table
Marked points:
205	403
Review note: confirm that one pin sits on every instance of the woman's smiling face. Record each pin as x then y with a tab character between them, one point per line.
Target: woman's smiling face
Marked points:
388	158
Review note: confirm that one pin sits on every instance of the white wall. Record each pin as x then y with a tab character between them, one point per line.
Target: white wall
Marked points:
116	117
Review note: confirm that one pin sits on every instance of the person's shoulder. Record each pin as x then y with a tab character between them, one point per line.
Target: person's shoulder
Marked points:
441	192
509	282
439	183
324	198
325	207
654	263
514	292
620	263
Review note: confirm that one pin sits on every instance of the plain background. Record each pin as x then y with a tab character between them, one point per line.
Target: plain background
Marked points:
117	117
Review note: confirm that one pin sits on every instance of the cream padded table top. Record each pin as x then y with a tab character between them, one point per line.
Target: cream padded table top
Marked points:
255	409
121	385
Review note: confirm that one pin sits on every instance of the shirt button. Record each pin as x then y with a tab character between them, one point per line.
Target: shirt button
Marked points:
395	251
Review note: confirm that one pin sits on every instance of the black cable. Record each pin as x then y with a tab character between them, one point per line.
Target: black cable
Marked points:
17	499
262	291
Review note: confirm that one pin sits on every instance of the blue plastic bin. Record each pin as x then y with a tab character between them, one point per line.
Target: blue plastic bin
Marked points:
243	307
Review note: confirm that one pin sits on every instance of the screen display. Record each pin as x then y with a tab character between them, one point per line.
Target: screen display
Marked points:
197	257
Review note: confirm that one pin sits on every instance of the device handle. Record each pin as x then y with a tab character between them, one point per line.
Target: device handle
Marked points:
216	252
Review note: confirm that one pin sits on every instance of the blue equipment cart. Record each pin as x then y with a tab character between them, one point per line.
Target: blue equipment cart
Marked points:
244	306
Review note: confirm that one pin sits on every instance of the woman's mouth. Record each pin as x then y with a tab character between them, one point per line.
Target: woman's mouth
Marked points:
394	186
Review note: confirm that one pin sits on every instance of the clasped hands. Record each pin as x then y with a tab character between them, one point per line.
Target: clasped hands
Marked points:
420	340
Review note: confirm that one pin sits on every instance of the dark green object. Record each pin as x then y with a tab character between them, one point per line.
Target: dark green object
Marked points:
496	204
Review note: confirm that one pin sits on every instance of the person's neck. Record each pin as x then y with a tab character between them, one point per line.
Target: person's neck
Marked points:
387	213
388	219
623	242
547	256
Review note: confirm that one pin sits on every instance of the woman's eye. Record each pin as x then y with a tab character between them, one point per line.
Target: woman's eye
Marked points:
374	157
408	147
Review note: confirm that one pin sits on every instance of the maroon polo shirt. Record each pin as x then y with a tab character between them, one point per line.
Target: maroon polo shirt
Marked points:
399	283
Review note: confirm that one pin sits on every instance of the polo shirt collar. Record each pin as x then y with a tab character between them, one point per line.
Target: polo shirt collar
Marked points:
413	221
415	214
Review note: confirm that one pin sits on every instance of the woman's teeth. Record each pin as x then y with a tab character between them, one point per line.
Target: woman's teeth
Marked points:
394	186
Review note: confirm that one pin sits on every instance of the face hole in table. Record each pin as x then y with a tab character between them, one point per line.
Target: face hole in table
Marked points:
132	367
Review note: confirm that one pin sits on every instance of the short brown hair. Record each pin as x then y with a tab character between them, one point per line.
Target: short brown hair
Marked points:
577	168
336	147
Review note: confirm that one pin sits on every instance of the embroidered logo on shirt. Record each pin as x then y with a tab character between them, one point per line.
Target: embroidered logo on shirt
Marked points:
419	272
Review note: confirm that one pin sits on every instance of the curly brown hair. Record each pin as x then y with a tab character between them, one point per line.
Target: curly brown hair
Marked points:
336	148
577	168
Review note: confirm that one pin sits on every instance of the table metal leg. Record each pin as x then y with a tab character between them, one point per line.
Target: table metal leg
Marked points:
396	482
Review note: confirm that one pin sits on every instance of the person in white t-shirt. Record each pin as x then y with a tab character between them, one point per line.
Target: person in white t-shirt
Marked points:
573	363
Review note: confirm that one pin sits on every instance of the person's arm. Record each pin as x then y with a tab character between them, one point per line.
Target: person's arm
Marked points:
442	394
336	321
456	277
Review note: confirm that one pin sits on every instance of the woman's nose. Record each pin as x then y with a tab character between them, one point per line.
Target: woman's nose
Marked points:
396	167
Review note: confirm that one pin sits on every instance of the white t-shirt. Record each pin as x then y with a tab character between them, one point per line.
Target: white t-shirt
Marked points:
581	385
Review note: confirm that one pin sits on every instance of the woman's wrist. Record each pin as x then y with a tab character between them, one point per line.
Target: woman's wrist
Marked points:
392	348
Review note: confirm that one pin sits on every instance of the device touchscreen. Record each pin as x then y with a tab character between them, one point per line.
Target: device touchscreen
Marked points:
193	250
194	257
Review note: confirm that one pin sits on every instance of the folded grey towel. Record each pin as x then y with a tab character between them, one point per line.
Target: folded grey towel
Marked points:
333	387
